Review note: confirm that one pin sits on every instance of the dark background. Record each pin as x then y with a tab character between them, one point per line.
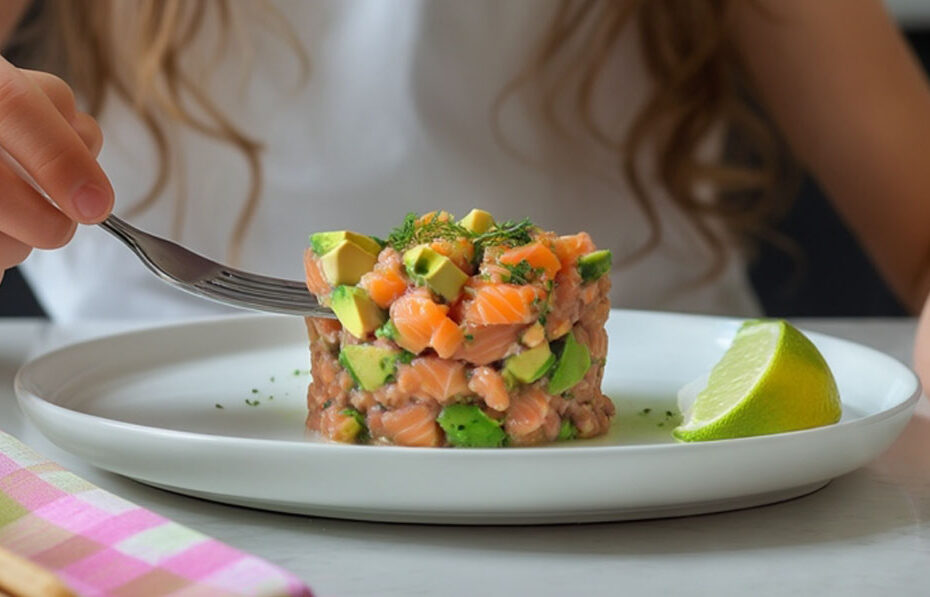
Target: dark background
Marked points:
835	278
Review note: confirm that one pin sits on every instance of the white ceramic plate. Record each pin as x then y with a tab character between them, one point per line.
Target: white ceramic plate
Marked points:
144	404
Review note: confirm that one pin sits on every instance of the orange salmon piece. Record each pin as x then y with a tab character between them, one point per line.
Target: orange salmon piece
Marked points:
570	248
411	425
489	384
537	255
447	338
488	344
527	413
496	304
432	377
384	286
316	283
416	317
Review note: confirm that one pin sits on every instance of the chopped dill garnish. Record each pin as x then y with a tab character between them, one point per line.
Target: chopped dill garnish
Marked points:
255	390
469	337
405	357
544	307
669	414
660	424
508	234
296	372
252	402
271	379
645	411
327	404
271	397
414	231
522	273
218	405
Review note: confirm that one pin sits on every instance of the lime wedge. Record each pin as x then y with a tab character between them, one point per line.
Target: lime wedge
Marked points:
772	379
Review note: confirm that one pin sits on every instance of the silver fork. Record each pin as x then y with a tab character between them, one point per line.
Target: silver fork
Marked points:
203	277
193	273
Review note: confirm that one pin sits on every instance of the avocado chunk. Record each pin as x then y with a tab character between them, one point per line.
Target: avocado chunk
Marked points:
436	271
388	330
567	431
346	263
370	366
533	335
594	265
530	365
324	242
353	428
356	311
573	362
467	426
477	221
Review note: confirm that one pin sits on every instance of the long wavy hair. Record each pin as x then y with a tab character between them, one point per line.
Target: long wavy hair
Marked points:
698	86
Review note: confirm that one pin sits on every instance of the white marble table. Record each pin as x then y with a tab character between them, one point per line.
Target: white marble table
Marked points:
866	533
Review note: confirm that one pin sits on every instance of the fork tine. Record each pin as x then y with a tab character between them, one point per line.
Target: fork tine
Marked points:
259	290
250	282
252	294
283	305
260	281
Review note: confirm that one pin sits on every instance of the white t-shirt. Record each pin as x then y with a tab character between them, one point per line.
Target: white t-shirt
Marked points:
395	117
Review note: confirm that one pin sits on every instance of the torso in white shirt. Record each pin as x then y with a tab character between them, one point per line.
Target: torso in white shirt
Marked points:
395	117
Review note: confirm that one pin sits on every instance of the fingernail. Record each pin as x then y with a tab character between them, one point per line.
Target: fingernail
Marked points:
91	202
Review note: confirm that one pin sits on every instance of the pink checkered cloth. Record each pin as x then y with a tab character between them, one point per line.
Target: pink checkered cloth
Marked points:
100	544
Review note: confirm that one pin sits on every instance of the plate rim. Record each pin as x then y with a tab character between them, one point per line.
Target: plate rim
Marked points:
29	399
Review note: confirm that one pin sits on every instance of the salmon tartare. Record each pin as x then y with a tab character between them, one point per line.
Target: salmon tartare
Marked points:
458	333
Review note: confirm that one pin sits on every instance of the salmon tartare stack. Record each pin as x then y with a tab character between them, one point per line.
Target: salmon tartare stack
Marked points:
458	333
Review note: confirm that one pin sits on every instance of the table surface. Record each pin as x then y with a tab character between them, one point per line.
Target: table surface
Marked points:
866	532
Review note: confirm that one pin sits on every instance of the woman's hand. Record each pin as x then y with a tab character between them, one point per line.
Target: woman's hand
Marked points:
41	127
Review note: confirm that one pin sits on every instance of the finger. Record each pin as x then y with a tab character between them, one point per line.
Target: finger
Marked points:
12	252
28	218
89	132
35	133
57	91
62	97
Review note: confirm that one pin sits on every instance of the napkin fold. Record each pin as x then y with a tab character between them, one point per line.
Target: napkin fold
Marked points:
100	544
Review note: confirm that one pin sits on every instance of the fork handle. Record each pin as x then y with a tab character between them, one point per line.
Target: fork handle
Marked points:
121	230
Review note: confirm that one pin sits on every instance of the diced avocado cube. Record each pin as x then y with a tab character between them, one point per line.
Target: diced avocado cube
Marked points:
594	265
436	271
352	428
355	310
533	335
567	431
346	263
324	242
477	221
530	365
467	426
570	368
370	366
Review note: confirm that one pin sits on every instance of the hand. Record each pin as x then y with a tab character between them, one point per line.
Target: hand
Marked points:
41	127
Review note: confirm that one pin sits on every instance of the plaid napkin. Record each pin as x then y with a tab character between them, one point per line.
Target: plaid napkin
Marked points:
100	544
